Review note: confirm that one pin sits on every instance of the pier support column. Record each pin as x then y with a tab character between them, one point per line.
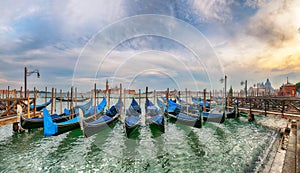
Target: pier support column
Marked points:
250	115
15	127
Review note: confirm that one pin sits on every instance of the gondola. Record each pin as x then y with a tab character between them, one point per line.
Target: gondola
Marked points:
52	128
37	122
132	120
39	107
217	116
154	116
175	114
107	120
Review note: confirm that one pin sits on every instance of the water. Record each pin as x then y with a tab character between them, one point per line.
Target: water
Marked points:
235	146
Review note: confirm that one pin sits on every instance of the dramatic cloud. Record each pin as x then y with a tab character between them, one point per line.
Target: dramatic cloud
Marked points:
253	40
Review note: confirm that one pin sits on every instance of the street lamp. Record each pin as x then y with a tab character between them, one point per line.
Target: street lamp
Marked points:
28	73
224	80
245	83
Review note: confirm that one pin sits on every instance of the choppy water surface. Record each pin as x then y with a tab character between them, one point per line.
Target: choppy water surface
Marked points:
235	146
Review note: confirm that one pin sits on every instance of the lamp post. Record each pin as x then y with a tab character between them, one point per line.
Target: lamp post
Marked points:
225	88
28	73
245	83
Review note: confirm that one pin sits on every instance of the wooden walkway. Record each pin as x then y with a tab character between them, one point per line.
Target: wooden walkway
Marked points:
283	107
8	113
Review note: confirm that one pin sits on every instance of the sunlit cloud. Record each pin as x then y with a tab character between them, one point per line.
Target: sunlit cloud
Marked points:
253	39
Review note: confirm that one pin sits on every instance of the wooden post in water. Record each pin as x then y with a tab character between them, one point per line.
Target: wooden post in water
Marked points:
121	101
250	116
75	96
237	108
108	98
139	96
45	94
60	96
28	104
204	100
52	100
8	97
34	102
167	98
95	97
225	92
146	105
147	93
210	98
68	103
71	106
15	125
125	99
186	100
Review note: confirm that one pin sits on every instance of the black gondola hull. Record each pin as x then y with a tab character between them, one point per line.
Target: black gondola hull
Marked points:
90	130
193	123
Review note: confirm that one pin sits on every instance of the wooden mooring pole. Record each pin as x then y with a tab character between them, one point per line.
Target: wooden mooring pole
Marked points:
139	96
52	100
60	96
121	118
204	100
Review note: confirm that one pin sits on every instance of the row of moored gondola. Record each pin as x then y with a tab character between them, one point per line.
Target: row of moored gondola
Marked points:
93	119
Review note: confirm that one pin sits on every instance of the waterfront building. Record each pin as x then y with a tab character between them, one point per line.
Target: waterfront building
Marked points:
287	89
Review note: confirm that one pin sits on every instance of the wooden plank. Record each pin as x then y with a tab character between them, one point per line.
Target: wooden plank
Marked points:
8	120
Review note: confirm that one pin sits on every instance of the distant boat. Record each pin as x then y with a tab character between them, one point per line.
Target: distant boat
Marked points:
52	128
39	107
154	116
37	122
69	100
132	120
107	120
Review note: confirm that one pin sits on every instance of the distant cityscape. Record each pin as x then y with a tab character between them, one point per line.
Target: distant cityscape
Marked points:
287	89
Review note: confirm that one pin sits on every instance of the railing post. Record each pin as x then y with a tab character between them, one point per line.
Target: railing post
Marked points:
204	100
282	110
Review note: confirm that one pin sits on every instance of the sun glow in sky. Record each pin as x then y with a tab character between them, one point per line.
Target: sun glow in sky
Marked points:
252	39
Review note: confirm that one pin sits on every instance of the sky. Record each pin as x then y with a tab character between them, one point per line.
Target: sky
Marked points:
172	43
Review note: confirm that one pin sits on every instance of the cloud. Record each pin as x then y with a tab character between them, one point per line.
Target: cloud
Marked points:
275	23
253	39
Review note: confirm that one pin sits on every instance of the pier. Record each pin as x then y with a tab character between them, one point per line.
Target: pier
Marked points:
283	107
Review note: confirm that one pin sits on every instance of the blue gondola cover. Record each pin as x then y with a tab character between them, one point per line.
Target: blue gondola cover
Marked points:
50	128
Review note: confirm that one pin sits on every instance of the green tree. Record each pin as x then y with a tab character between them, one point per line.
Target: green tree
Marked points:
231	91
298	87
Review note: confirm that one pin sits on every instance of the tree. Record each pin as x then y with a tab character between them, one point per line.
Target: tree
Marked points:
230	91
298	87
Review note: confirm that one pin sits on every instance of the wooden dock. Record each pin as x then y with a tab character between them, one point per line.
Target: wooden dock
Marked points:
283	107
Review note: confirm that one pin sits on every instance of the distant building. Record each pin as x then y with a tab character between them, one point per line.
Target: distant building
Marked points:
287	89
260	89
